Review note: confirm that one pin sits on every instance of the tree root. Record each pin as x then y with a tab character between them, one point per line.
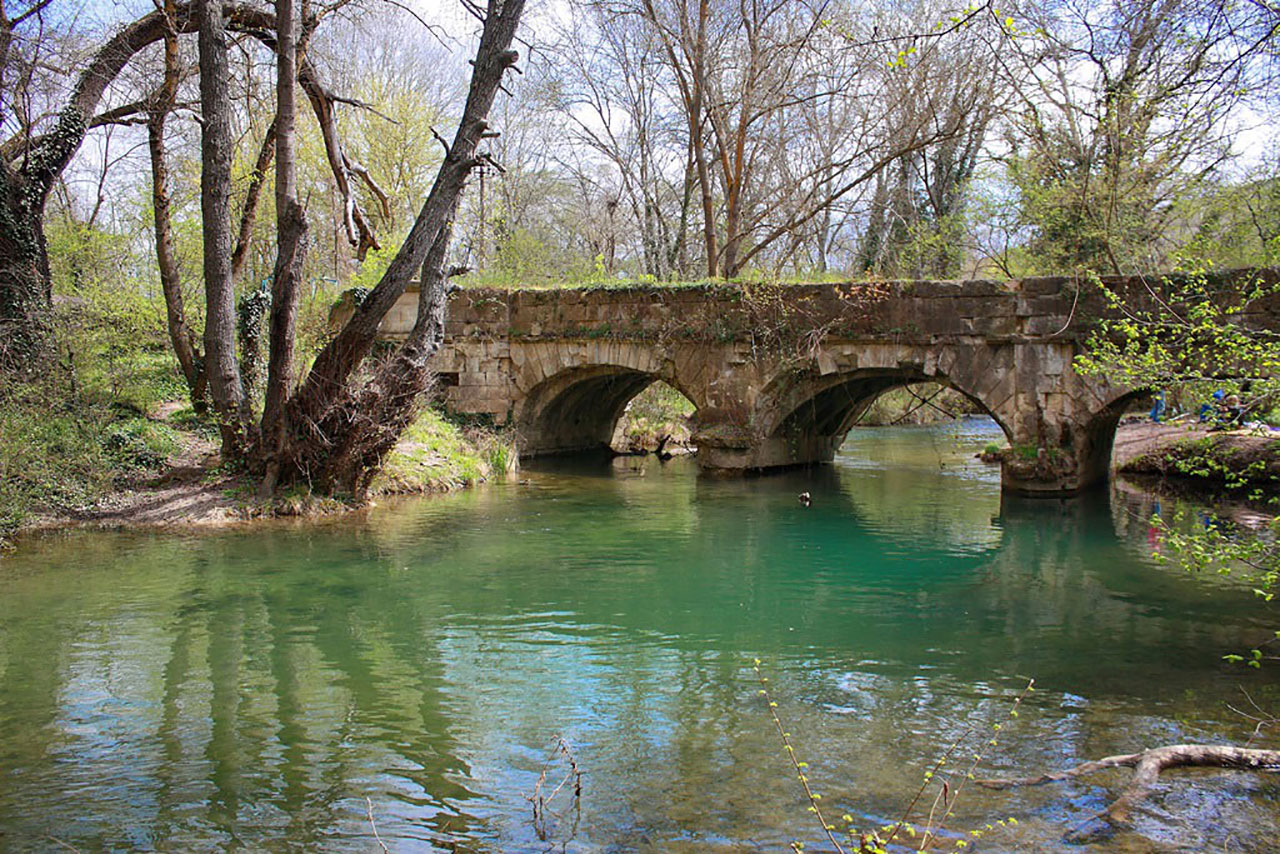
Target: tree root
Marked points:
1147	766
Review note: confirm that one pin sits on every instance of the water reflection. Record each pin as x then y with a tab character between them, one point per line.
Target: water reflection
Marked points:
253	688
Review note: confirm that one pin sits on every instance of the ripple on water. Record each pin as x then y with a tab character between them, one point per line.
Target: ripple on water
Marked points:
254	688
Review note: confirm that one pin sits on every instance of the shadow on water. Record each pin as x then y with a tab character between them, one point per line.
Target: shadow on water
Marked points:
252	688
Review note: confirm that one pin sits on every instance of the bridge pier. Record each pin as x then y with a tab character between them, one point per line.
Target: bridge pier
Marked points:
1050	460
1028	468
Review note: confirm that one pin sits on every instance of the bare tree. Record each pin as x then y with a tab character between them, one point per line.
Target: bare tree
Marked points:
954	88
1127	112
615	91
291	233
162	102
340	429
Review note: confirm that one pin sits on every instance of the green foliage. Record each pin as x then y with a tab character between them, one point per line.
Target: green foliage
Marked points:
522	258
1238	224
934	246
1218	545
657	411
56	455
1067	231
75	426
83	256
112	341
923	403
1186	337
1188	340
437	454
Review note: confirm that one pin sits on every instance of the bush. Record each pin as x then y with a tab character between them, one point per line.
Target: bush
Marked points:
74	426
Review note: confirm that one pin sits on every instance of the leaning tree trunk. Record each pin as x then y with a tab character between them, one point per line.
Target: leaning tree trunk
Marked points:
30	168
249	213
388	403
291	227
326	409
215	206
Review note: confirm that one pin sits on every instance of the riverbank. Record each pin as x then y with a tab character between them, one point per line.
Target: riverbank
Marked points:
189	488
1195	456
100	432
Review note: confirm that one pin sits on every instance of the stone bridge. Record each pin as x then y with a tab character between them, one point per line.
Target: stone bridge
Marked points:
780	373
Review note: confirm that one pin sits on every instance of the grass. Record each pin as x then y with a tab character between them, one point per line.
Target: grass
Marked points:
436	454
58	455
74	426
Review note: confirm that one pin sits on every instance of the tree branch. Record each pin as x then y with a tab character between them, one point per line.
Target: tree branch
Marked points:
1147	767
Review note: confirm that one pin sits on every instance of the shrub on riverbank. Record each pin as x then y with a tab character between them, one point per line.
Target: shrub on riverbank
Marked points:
1232	461
73	427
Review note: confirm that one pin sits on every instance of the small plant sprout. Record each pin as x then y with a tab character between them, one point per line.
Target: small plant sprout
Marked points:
947	793
827	828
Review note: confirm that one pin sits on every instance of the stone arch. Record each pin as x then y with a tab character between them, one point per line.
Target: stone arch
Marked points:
804	415
1096	439
573	403
832	404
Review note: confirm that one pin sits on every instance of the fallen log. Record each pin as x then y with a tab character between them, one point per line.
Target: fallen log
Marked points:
1147	767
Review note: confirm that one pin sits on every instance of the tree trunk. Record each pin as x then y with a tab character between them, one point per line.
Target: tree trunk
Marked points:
215	206
389	402
695	134
180	334
25	295
326	409
33	166
291	227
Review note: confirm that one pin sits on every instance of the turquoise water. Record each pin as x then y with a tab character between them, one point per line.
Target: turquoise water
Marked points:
294	687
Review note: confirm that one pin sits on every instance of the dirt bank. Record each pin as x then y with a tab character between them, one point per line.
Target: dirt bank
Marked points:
191	490
1191	452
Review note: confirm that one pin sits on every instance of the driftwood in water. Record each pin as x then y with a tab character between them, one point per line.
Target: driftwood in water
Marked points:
1147	766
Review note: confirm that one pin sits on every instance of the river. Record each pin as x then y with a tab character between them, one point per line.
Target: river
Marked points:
408	672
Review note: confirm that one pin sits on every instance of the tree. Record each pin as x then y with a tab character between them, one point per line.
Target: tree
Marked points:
1191	335
160	105
340	426
614	90
291	233
215	205
1127	112
29	167
34	159
914	225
